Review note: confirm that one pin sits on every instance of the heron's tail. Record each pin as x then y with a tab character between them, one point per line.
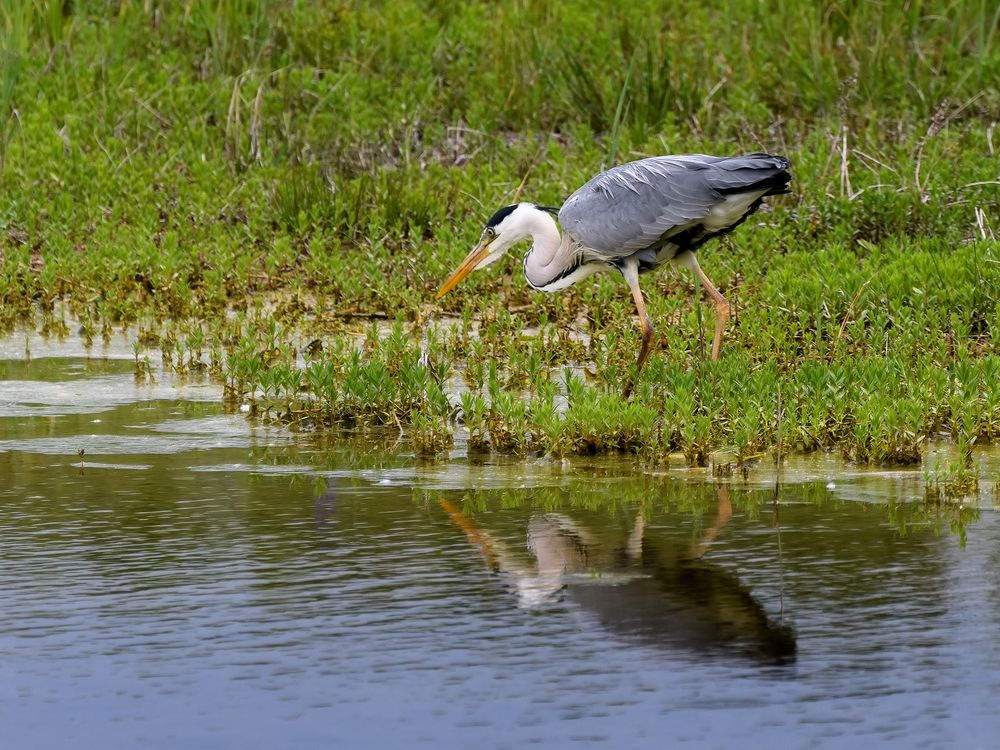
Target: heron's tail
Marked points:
754	172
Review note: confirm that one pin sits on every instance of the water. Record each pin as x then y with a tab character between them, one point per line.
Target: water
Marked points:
193	581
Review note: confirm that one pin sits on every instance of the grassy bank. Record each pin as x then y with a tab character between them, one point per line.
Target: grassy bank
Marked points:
233	180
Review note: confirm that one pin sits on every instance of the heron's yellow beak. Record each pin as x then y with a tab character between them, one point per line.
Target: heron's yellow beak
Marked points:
468	265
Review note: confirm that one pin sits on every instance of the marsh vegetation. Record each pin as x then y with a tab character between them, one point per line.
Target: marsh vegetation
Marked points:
270	192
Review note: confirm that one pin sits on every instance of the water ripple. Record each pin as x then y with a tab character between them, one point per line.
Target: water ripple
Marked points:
216	585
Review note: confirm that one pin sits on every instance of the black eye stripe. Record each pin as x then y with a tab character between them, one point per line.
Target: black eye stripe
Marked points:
500	215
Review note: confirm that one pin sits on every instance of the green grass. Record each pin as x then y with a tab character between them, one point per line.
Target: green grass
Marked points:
232	180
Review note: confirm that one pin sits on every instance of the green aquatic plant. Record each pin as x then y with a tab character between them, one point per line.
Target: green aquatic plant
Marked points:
473	415
600	422
430	434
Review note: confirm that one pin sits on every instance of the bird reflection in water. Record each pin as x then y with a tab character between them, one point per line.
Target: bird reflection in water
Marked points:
325	505
650	591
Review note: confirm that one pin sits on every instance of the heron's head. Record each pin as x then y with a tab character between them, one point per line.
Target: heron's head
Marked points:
506	227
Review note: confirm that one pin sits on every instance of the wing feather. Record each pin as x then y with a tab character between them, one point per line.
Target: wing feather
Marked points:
639	205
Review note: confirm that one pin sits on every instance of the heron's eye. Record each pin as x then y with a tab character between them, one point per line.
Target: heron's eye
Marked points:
490	233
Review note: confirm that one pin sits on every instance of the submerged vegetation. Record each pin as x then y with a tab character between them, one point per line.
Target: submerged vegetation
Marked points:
271	192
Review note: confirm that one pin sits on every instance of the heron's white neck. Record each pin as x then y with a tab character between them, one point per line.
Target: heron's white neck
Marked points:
542	263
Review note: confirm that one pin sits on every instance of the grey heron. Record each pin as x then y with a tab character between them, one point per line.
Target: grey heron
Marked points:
632	219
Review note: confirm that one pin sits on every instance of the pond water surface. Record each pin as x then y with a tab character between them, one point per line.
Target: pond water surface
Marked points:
194	581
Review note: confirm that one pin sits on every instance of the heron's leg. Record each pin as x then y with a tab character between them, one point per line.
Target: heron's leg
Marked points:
631	273
689	260
722	517
633	548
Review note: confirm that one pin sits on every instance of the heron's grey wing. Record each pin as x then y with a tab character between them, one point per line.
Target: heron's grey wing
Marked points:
636	205
741	173
643	203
